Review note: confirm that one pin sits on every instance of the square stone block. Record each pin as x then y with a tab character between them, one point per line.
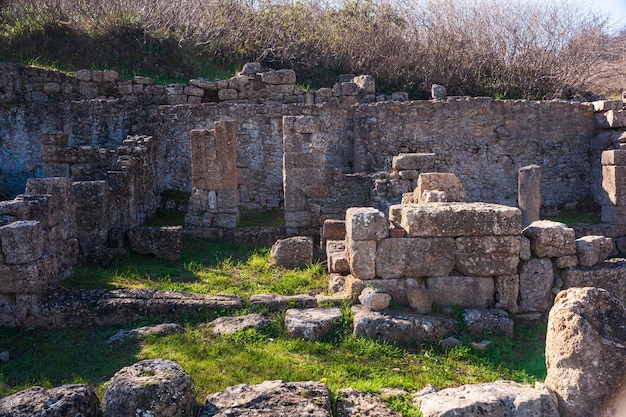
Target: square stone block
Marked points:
614	157
614	184
365	223
462	291
487	256
550	239
414	257
439	181
21	242
536	279
362	258
413	161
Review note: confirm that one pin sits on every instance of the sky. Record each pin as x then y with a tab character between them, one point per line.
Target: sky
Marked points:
615	9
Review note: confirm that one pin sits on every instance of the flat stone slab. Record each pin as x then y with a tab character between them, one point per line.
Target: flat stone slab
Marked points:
276	302
311	323
401	326
64	401
460	219
231	325
270	399
85	308
353	403
140	333
500	398
482	321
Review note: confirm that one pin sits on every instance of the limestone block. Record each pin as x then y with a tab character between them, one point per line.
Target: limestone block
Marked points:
349	88
403	327
66	400
61	202
397	288
615	215
176	99
500	398
280	90
481	321
194	91
614	183
414	257
442	181
616	118
409	174
54	138
462	291
204	84
585	353
336	257
226	220
351	402
293	252
282	76
298	219
110	76
214	157
92	207
227	199
362	258
614	157
158	387
413	161
433	196
232	325
51	88
420	299
292	160
529	193
460	219
227	94
312	323
365	223
536	281
162	242
304	124
83	75
334	229
125	88
525	252
564	262
487	256
374	298
438	92
550	239
52	169
30	278
365	83
21	242
507	292
88	89
64	155
606	105
592	250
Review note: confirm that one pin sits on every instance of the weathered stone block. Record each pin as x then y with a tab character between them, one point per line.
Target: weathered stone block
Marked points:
162	242
214	157
487	256
564	262
282	76
414	258
66	400
614	215
536	280
53	169
419	299
21	242
614	184
592	250
366	84
462	291
64	155
550	239
296	219
507	292
440	181
54	138
606	105
616	118
397	288
311	324
61	202
226	220
529	193
413	161
92	208
481	321
336	257
227	199
362	258
30	278
614	157
365	223
334	229
460	219
374	298
293	252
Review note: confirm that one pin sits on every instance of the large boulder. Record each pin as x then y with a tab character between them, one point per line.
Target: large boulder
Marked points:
154	387
271	398
64	401
500	398
585	352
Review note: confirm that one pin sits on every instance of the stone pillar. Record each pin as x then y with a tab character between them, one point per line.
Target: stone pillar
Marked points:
529	193
215	199
614	187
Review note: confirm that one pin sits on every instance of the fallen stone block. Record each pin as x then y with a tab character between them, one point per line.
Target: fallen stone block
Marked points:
127	336
500	398
592	250
460	219
271	398
157	387
462	291
293	252
400	326
312	324
231	325
275	302
351	402
550	239
162	242
482	321
63	401
374	299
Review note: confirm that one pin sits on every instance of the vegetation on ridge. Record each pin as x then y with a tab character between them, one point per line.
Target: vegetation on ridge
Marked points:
513	49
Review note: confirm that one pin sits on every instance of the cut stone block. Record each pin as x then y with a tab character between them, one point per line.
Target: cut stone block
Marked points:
365	223
276	302
30	278
460	219
362	258
311	323
614	157
610	275
397	288
529	193
614	184
414	257
615	215
550	239
419	299
413	161
293	252
487	256
569	261
374	299
593	250
214	157
536	280
334	229
336	257
440	181
21	242
279	77
462	291
482	321
507	292
616	118
162	242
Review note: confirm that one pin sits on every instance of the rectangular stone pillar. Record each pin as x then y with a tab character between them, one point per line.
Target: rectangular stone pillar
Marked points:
215	199
529	193
614	187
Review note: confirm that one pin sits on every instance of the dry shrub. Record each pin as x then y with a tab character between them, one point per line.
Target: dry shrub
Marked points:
515	48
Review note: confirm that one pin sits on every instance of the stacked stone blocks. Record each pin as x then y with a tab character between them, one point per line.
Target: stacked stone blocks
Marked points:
614	187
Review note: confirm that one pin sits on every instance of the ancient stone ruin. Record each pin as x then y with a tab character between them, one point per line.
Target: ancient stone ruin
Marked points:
424	205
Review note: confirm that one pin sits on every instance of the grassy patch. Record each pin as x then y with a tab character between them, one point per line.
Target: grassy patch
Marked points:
575	218
205	267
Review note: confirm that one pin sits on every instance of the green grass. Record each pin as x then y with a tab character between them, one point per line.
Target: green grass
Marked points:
576	218
205	267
